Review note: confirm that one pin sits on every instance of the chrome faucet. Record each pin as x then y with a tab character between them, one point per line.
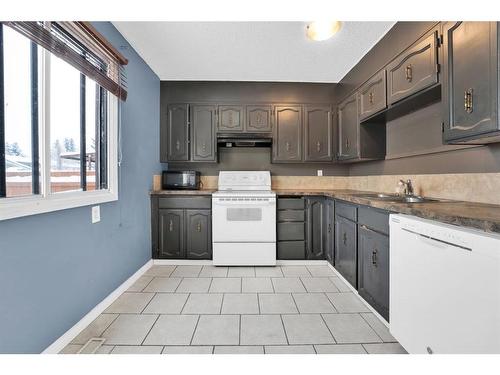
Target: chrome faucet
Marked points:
408	187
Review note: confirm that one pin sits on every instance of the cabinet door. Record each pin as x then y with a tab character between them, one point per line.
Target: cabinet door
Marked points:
258	119
414	70
372	96
315	225
171	233
198	234
373	269
287	135
317	133
470	79
348	125
346	249
231	118
329	230
203	139
174	144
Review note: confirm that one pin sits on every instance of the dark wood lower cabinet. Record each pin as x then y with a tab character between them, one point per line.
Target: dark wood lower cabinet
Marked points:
315	240
373	269
346	249
198	234
171	233
329	230
181	227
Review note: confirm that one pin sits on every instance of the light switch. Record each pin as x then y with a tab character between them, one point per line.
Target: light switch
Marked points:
96	214
320	172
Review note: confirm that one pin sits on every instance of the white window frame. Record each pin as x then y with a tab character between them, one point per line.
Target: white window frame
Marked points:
46	201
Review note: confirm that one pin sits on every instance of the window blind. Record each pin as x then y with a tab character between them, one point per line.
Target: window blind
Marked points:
81	46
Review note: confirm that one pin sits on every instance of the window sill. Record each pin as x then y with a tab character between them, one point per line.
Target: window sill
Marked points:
11	208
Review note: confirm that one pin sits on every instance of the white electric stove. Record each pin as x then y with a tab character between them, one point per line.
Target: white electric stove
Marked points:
244	219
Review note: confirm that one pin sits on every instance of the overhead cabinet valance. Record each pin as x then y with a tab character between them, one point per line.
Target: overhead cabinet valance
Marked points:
81	46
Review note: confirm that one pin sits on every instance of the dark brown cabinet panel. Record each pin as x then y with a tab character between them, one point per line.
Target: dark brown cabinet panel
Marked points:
198	234
174	134
470	81
203	138
231	118
348	125
372	96
329	230
414	70
258	119
171	233
316	228
346	249
317	133
287	134
373	269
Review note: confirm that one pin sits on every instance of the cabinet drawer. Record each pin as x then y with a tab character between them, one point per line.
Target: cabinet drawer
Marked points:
291	204
185	202
413	70
291	250
291	232
374	219
349	211
372	96
291	215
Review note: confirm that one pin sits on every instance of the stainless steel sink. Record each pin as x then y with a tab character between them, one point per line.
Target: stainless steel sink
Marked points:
396	198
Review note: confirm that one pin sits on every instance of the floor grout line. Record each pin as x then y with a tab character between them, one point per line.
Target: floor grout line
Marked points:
329	330
284	330
185	303
194	330
149	331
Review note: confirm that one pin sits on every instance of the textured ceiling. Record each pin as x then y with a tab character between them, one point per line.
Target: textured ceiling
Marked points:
249	51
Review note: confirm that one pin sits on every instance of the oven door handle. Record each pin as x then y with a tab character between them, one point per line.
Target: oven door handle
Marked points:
244	203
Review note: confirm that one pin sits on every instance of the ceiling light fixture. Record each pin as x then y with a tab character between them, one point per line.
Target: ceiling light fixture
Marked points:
322	30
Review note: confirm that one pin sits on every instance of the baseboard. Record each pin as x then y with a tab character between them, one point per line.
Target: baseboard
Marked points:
375	312
189	262
70	334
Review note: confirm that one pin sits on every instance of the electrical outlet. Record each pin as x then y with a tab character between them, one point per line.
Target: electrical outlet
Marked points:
320	172
96	214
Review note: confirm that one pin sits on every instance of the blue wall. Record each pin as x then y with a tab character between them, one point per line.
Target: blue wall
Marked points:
55	267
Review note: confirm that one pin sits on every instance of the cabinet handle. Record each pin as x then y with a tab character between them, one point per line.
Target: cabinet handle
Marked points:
170	226
198	227
374	257
318	146
177	145
329	228
287	146
370	97
203	146
347	143
409	73
344	238
468	103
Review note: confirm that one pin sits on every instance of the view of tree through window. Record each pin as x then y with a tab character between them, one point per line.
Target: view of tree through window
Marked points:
17	112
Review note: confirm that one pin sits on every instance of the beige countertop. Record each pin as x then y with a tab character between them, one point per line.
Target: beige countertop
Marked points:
467	214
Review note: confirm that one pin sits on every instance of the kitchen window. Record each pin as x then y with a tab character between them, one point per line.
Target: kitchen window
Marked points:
58	126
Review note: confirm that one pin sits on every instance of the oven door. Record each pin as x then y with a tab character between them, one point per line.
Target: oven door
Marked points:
244	219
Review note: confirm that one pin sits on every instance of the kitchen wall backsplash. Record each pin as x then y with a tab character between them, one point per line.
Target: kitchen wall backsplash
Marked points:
471	187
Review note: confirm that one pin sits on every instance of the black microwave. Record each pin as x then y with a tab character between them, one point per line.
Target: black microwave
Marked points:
188	180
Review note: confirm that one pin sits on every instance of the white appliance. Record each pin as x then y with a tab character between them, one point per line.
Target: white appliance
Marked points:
444	287
244	219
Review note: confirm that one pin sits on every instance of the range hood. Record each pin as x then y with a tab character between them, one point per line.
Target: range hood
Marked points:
244	140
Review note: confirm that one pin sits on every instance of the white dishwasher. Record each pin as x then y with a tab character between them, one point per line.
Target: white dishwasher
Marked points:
444	287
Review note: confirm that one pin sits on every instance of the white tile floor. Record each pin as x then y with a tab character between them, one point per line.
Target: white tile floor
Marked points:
238	310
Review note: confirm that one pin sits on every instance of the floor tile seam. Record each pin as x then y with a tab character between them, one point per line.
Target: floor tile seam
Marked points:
328	327
194	330
149	331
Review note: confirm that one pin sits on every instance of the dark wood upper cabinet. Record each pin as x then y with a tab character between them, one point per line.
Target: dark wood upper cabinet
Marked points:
203	134
258	119
372	96
470	82
318	133
174	134
287	134
414	70
348	125
231	118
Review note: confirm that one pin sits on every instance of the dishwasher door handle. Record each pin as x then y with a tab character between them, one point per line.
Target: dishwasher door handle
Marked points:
436	242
